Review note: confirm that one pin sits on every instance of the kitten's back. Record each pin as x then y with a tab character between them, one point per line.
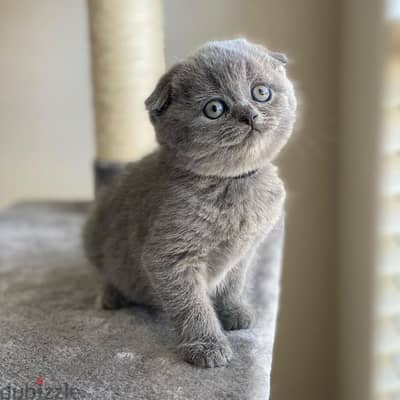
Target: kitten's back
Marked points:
114	206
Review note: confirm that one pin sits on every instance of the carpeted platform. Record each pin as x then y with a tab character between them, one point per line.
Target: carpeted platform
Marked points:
53	338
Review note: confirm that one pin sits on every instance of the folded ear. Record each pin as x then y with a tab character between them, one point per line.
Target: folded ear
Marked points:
160	99
281	57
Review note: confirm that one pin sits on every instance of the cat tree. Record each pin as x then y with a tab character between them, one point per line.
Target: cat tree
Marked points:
51	333
127	60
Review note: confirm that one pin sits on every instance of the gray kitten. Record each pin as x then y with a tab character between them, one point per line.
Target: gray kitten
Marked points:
181	226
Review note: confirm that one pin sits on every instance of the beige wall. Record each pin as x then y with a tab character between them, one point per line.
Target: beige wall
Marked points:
45	107
46	145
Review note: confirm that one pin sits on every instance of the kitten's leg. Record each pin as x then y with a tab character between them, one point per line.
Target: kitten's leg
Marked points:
111	298
232	311
183	294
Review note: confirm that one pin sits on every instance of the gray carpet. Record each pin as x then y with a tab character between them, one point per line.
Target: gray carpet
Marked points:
53	338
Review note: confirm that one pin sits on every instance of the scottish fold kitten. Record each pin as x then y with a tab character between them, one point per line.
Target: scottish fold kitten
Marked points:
179	229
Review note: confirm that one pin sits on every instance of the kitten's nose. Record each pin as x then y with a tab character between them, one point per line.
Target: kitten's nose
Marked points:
249	118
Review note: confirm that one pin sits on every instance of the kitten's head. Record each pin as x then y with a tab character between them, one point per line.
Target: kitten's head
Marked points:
226	110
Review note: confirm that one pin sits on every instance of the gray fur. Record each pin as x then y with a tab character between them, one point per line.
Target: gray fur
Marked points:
181	226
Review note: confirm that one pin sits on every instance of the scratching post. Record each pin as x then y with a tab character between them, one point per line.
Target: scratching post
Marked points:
127	59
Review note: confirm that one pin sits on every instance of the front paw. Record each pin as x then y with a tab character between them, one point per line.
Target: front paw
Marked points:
238	316
207	352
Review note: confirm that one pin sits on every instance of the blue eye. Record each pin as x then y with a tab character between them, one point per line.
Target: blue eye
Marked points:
214	109
261	93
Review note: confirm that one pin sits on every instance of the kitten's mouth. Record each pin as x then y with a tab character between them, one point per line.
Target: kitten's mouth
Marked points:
249	133
254	129
264	128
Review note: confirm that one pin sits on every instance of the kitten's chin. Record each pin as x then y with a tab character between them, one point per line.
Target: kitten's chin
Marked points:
224	165
259	150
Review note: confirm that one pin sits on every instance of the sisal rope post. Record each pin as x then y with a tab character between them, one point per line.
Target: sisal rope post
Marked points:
127	59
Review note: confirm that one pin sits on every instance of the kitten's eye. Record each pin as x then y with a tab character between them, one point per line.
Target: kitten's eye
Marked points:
214	109
261	93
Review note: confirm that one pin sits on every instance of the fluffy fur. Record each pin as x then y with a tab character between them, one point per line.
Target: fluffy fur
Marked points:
179	229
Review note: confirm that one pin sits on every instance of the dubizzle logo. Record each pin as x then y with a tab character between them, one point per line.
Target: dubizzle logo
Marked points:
40	391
